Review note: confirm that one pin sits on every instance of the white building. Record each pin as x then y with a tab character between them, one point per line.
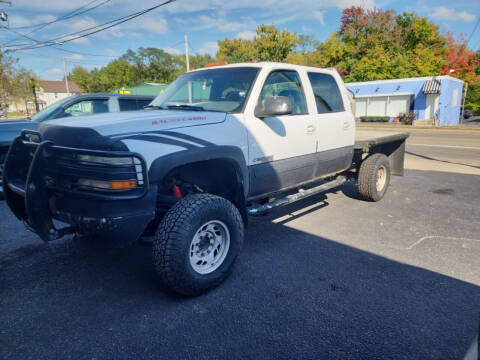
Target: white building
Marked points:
51	91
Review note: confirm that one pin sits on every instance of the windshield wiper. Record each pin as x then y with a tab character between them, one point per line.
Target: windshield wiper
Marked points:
157	107
186	107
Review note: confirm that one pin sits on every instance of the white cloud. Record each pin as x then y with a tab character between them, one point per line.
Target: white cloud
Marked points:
111	52
444	13
306	29
76	57
172	51
55	71
318	15
80	40
209	47
82	24
155	25
247	35
220	23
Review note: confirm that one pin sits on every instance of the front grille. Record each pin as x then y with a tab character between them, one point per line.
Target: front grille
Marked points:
58	169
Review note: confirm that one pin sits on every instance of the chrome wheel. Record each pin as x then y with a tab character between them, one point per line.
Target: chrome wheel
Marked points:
381	178
209	247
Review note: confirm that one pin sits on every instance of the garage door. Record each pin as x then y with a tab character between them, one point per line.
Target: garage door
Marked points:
377	106
361	107
398	104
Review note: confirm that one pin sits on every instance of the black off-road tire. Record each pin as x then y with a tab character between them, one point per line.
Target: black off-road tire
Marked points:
367	177
172	243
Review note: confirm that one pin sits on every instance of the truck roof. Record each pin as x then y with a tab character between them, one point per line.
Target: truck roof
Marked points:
269	65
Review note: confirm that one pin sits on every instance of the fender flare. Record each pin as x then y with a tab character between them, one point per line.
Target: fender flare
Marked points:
163	165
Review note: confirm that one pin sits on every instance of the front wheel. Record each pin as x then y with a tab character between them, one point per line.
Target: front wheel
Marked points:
197	243
374	177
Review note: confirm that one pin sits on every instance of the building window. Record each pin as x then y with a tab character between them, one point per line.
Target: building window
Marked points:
455	97
56	95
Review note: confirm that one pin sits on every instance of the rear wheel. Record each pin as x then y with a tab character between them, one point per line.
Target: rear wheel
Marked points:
374	177
197	243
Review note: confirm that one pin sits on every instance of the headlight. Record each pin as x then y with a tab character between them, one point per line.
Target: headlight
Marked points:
106	160
102	185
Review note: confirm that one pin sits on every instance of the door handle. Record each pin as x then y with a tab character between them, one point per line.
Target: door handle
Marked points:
310	129
346	125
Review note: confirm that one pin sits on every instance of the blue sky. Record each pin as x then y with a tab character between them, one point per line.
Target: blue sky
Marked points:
205	22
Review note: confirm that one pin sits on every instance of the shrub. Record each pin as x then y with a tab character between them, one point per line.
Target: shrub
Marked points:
407	118
374	118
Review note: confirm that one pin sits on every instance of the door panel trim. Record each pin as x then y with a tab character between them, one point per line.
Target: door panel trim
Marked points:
274	176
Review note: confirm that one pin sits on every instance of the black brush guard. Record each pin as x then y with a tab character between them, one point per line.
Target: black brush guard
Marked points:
40	185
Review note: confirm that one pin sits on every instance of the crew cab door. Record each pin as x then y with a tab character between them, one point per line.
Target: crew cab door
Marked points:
281	148
334	122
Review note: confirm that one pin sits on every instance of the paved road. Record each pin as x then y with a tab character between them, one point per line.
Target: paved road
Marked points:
331	277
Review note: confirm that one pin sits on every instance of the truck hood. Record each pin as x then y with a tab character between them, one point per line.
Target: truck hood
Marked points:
111	124
10	129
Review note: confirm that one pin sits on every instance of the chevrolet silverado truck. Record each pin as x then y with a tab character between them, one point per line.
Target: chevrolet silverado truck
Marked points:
219	144
76	105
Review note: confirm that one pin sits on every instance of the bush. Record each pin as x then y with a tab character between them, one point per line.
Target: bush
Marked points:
407	118
374	118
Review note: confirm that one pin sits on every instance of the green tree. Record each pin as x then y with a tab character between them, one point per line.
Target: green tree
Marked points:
116	74
82	78
7	74
236	50
152	64
272	44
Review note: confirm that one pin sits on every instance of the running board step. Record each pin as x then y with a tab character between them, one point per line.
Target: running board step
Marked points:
302	194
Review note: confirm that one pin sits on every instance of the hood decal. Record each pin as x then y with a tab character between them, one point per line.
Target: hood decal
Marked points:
173	134
161	140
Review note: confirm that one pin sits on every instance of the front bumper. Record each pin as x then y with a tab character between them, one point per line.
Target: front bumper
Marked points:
39	184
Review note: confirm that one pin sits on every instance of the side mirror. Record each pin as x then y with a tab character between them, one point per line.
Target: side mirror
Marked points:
273	106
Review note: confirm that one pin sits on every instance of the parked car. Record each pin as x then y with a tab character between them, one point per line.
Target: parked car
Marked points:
468	113
2	113
77	105
218	145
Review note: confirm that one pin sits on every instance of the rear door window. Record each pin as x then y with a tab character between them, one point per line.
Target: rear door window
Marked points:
133	104
327	95
86	107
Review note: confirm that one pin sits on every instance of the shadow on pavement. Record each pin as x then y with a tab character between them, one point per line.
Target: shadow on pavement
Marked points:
292	295
444	161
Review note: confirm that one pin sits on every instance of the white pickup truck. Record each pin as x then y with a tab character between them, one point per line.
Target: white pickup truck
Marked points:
220	143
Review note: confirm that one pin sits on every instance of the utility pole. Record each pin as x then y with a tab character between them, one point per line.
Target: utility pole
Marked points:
34	95
65	74
187	61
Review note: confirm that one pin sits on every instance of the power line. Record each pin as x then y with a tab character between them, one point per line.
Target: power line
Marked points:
63	49
71	37
473	31
79	11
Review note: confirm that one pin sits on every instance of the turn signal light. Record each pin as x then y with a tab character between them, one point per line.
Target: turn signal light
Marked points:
123	185
102	185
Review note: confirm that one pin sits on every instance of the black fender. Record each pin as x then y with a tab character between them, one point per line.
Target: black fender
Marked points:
163	165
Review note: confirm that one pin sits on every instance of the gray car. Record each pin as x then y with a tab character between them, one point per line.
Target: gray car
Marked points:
77	105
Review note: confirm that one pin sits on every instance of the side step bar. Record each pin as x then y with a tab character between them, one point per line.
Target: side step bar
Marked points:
301	194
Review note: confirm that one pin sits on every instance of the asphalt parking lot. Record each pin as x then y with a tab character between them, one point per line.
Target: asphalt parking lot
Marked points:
329	277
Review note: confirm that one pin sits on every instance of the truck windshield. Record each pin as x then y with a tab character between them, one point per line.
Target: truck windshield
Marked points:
222	90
